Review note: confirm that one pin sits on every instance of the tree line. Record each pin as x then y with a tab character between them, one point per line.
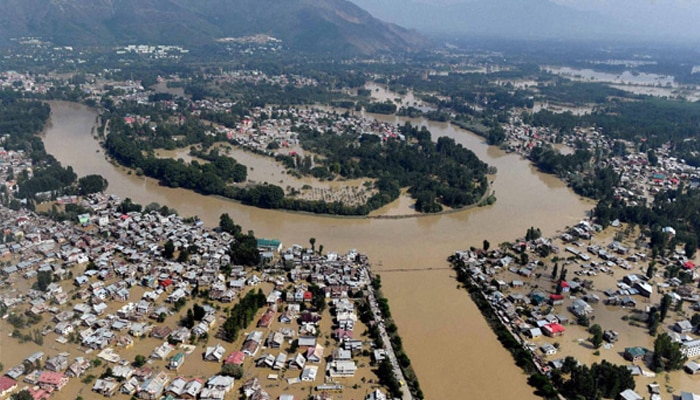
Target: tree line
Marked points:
437	174
242	314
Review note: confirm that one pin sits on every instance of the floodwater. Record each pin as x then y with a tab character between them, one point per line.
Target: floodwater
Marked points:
452	349
262	169
560	109
626	77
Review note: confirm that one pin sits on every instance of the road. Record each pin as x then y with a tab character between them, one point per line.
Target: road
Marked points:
374	306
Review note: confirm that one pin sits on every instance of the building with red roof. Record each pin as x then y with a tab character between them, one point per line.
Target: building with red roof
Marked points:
553	330
7	385
165	283
556	299
40	394
52	380
266	319
235	358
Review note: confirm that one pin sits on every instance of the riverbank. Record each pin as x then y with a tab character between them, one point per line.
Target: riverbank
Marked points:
509	339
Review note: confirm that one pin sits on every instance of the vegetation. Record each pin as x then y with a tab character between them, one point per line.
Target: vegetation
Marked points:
381	108
236	371
244	249
596	338
599	380
22	395
22	120
43	280
667	354
92	184
437	174
385	372
139	361
679	208
655	120
242	314
387	376
318	298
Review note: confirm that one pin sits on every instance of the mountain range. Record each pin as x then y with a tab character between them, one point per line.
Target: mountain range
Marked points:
334	26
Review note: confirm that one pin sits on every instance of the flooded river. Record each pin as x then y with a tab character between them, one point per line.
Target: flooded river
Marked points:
452	349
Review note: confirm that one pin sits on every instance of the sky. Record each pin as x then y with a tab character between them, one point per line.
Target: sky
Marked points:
674	19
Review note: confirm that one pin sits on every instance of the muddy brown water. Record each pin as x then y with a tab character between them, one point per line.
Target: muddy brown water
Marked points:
452	349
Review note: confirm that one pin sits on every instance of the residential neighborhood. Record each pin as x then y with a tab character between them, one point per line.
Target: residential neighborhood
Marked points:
112	318
550	292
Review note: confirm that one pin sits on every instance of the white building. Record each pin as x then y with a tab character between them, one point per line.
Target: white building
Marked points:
691	349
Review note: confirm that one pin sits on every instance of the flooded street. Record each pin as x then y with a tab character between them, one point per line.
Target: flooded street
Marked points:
452	349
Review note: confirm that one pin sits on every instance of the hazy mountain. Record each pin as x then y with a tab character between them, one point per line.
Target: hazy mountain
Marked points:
318	25
500	18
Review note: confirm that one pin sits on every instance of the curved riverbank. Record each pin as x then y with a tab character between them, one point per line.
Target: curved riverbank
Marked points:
451	347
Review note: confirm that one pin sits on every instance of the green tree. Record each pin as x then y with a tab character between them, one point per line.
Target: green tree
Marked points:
22	395
486	245
691	246
597	335
524	258
244	250
184	256
188	321
312	242
555	270
43	280
236	371
543	385
92	184
695	320
496	135
198	312
667	354
385	373
653	322
107	374
652	157
169	249
533	234
664	306
651	270
583	320
139	361
227	225
38	338
318	299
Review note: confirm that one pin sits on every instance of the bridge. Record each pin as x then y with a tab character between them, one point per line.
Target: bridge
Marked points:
382	271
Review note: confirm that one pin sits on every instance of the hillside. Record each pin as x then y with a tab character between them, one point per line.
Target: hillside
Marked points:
336	26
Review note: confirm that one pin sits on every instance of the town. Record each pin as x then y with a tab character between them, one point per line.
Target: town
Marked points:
106	297
589	295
